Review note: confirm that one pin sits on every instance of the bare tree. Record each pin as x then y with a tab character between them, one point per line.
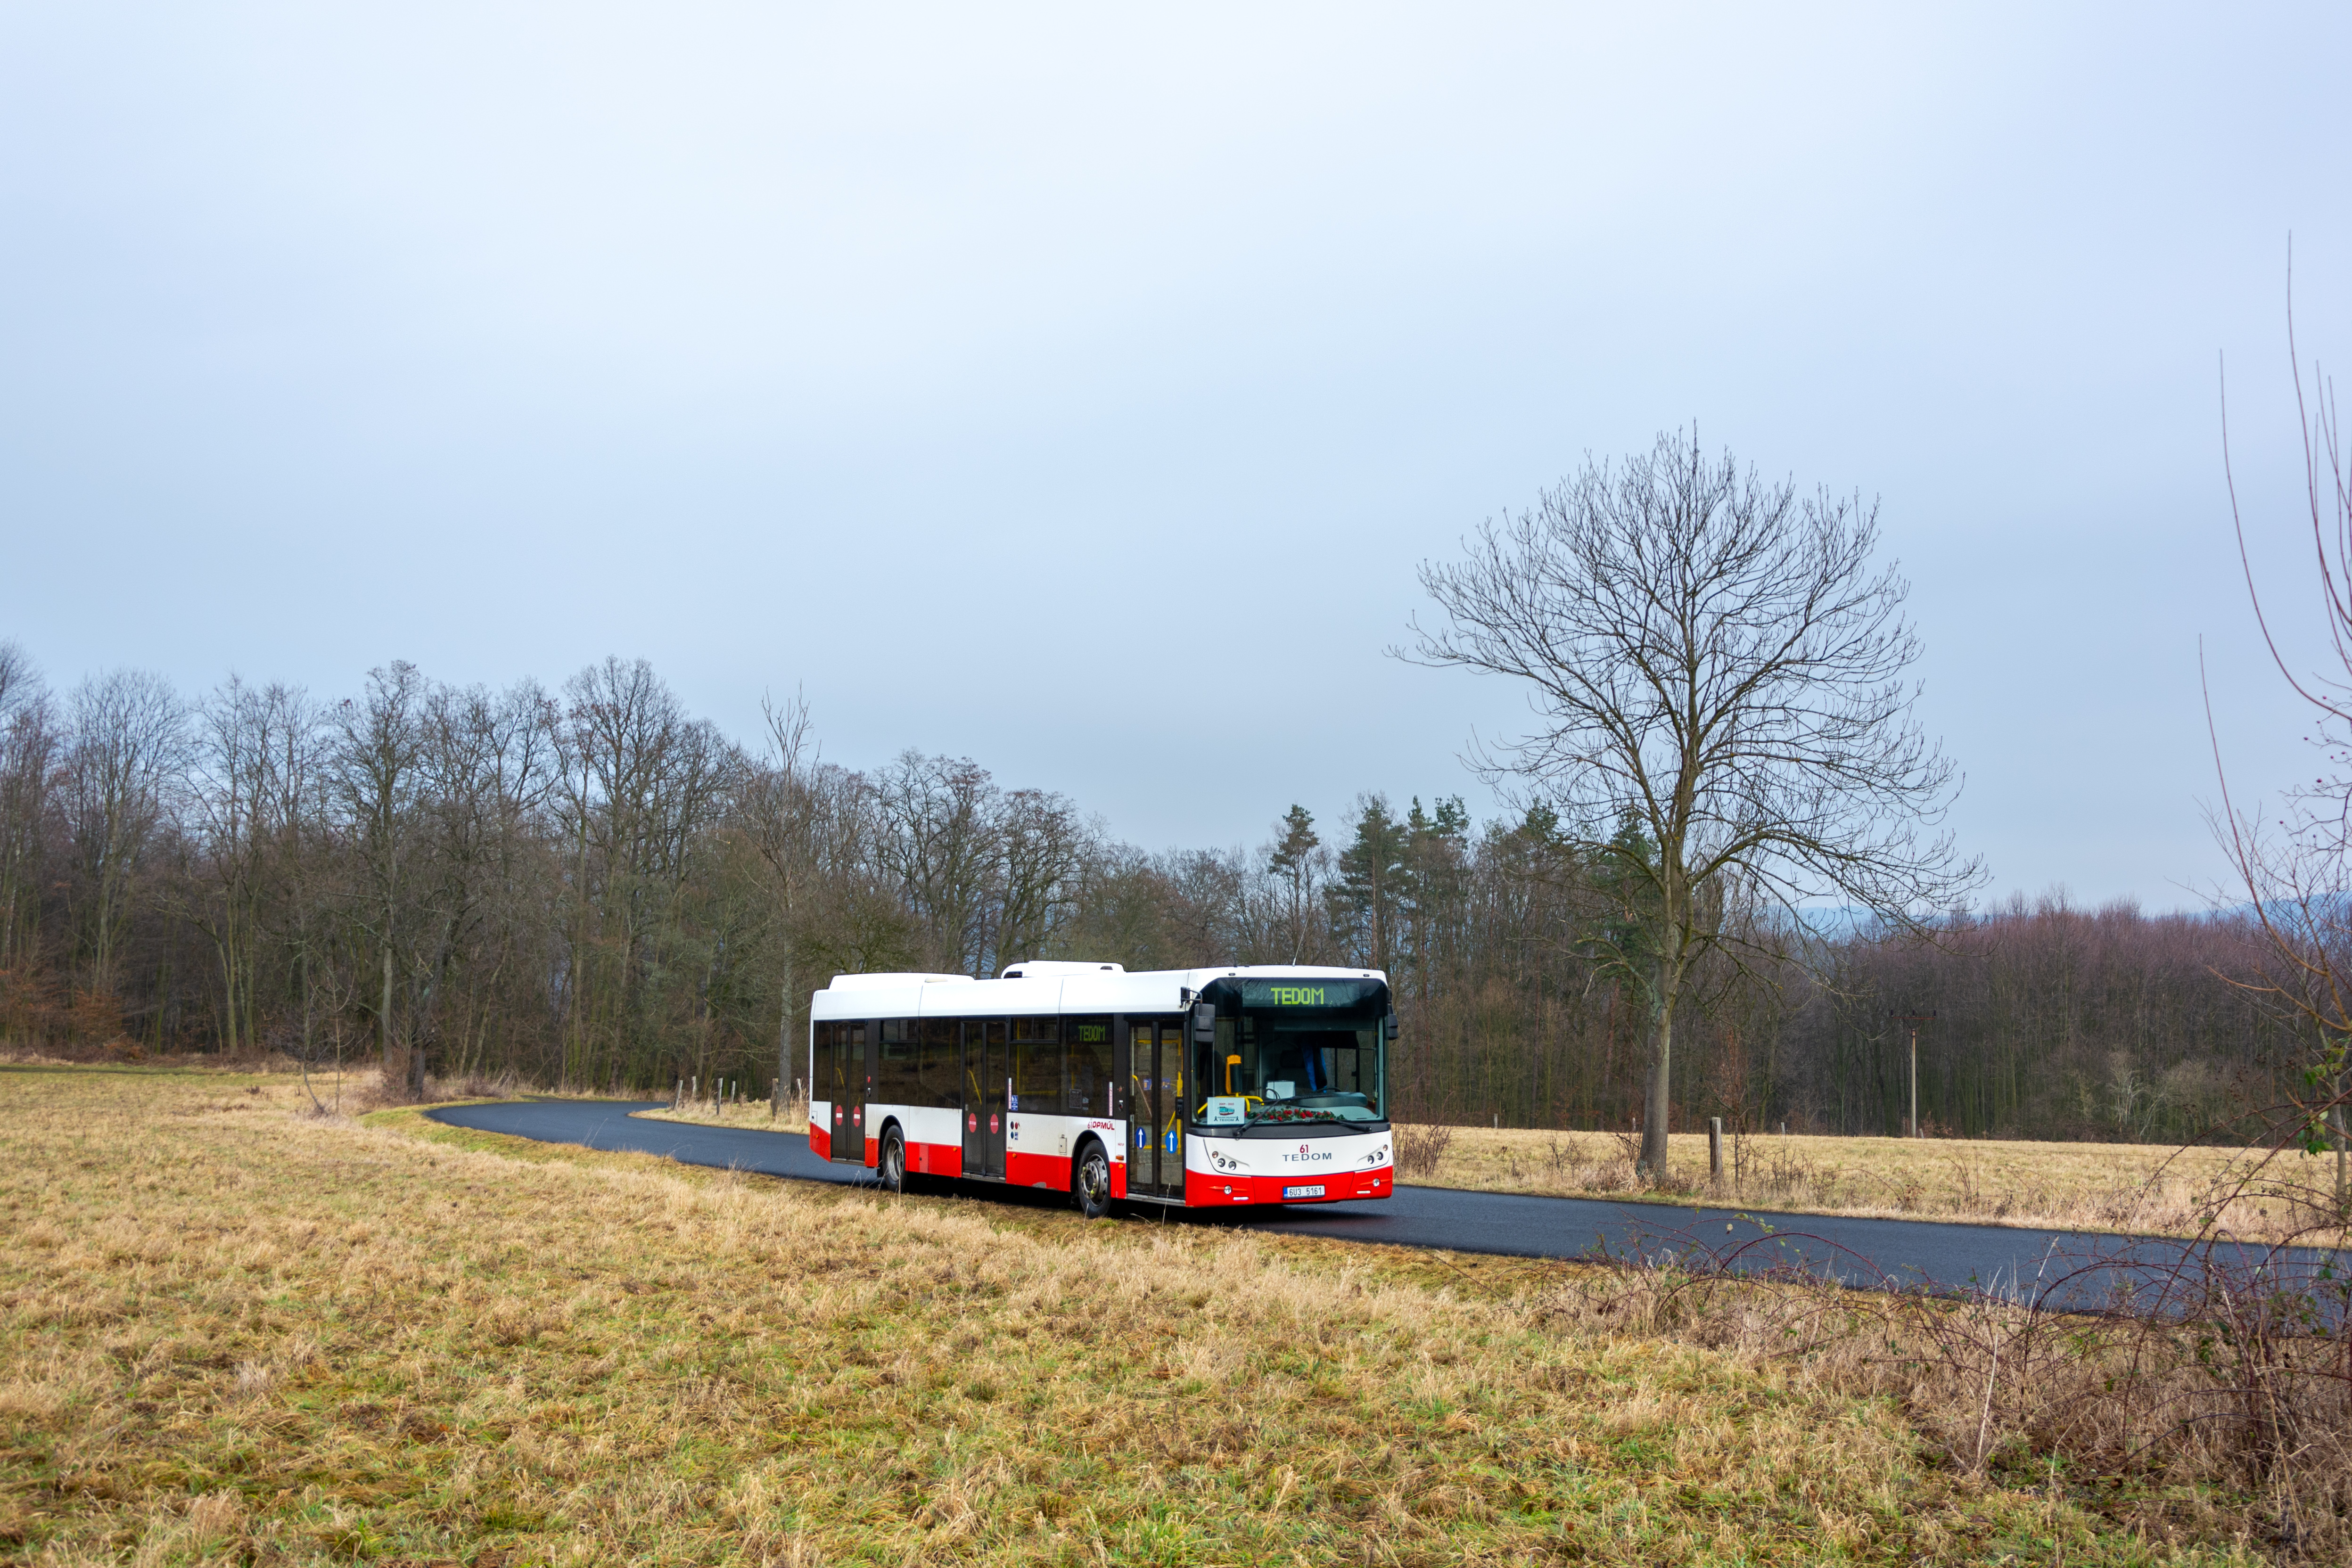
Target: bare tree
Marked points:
28	749
377	777
941	839
129	751
1722	712
2298	877
1179	910
784	813
249	797
857	916
487	768
1206	897
1042	845
641	782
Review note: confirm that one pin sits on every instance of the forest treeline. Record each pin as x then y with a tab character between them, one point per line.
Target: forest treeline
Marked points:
594	886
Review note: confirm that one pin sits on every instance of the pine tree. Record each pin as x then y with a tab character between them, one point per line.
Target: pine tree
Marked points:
1372	876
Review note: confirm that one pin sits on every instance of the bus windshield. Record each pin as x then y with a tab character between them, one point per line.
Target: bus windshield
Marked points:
1287	1051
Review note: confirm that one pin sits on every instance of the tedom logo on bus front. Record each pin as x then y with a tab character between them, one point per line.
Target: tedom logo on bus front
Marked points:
1296	996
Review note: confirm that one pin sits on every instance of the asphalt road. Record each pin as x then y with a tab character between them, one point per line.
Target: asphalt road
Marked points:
2066	1268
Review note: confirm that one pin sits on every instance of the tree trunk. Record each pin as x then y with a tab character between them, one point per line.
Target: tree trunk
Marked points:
1653	1101
784	1054
414	1069
384	1013
228	995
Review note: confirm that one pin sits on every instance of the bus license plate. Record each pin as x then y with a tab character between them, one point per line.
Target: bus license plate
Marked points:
1315	1191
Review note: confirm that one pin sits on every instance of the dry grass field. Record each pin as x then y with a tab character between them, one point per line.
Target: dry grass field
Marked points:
2155	1189
233	1330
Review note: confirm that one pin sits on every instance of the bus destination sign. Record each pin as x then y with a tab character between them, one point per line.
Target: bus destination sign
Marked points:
1306	993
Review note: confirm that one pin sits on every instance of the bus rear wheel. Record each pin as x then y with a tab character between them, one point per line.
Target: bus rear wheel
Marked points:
1090	1181
891	1173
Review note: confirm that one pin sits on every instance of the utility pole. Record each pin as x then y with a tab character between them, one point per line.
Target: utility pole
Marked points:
1915	1020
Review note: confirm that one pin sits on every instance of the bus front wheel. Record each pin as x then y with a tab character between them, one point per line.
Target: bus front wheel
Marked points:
1090	1181
892	1172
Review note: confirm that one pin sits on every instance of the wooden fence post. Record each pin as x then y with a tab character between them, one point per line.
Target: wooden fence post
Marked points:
1715	1147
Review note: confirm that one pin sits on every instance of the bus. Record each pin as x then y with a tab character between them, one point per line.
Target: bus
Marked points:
1193	1088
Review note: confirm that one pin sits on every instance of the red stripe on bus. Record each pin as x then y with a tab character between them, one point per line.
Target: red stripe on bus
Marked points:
935	1159
1023	1169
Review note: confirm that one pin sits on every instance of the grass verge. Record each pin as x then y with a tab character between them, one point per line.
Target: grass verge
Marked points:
2140	1188
792	1116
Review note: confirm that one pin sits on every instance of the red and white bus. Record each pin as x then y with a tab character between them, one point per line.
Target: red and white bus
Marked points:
1199	1087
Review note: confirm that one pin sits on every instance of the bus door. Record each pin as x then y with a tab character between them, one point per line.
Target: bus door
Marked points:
987	1067
1155	1154
846	1086
1142	1068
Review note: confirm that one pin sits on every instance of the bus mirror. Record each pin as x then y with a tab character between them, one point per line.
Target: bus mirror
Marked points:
1389	1027
1204	1022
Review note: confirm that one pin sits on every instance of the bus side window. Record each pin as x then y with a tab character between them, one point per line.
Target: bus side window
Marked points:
937	1065
894	1078
1089	1049
1037	1064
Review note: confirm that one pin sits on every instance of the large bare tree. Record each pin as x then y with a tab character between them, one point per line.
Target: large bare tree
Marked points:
1722	714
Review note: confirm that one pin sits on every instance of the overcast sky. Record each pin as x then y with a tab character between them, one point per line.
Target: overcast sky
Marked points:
1078	390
